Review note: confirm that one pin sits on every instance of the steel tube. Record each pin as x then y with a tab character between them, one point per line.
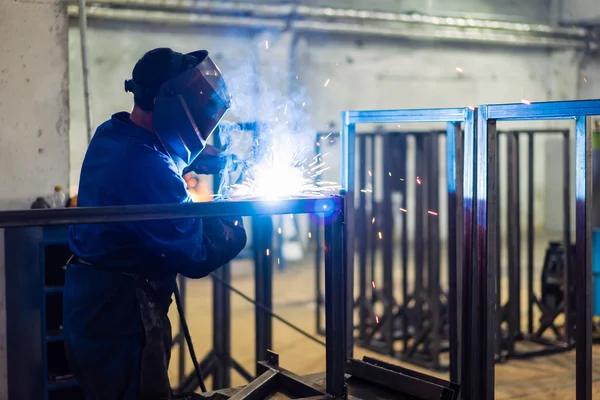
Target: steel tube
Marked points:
361	226
514	239
583	273
262	237
530	233
454	171
335	306
433	246
91	215
387	240
568	268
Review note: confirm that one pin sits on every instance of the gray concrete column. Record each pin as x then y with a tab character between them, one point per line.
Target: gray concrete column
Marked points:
34	114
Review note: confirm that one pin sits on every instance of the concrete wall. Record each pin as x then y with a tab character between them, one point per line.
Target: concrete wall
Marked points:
34	115
581	11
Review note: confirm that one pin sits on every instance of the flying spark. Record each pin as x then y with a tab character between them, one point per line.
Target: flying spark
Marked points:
418	180
585	79
471	108
235	223
326	83
267	44
370	174
403	209
373	284
279	230
390	173
373	220
458	69
268	252
277	260
303	104
432	212
380	237
377	319
526	102
309	235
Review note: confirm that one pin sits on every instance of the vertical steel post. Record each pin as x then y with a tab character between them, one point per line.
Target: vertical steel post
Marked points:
513	225
596	220
361	226
387	240
318	252
348	177
583	275
567	260
335	306
262	234
454	170
404	222
486	263
182	342
530	233
433	246
420	228
222	329
466	379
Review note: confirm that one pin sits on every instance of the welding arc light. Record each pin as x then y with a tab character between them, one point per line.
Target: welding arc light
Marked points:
325	206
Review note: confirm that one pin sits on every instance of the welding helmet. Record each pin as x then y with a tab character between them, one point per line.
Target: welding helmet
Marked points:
188	106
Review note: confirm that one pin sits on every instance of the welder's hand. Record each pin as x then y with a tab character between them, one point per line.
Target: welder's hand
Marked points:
208	162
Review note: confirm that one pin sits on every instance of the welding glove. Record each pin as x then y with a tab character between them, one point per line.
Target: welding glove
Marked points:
209	162
224	239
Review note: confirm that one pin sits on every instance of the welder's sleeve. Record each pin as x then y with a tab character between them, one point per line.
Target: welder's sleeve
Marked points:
192	247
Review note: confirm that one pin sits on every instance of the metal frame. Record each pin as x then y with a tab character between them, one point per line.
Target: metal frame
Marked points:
333	206
481	191
509	309
454	117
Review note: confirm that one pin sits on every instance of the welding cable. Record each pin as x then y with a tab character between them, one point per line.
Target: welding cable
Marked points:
268	310
188	339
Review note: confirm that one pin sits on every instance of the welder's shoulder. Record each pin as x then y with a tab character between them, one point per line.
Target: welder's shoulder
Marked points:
154	174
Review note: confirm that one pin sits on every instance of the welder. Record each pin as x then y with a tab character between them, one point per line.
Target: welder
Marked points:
120	280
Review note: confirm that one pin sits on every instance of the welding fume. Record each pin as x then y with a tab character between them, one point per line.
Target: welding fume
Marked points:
121	277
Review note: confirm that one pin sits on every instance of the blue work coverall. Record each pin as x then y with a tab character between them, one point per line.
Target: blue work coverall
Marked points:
120	281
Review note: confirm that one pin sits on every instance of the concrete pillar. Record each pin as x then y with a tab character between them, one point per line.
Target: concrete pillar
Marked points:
34	114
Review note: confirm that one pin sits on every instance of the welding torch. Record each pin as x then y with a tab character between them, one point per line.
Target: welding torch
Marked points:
212	162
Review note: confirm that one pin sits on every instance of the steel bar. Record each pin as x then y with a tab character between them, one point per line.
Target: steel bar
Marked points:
406	116
90	215
419	250
583	275
387	243
454	169
181	338
262	234
335	306
567	260
222	328
500	311
433	247
513	224
530	232
361	225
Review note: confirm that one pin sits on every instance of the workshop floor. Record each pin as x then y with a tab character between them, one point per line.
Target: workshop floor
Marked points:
551	377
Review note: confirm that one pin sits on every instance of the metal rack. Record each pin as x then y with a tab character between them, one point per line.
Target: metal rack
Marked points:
479	278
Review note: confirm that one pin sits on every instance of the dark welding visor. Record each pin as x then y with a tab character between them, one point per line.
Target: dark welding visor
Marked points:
189	106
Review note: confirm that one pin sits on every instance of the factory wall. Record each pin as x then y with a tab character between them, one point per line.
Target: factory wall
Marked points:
34	140
365	73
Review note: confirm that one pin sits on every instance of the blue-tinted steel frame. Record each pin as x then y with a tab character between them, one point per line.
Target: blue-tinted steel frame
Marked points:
455	146
333	206
485	261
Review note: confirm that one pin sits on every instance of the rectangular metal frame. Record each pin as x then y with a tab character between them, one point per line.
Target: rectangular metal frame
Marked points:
453	117
333	206
479	361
